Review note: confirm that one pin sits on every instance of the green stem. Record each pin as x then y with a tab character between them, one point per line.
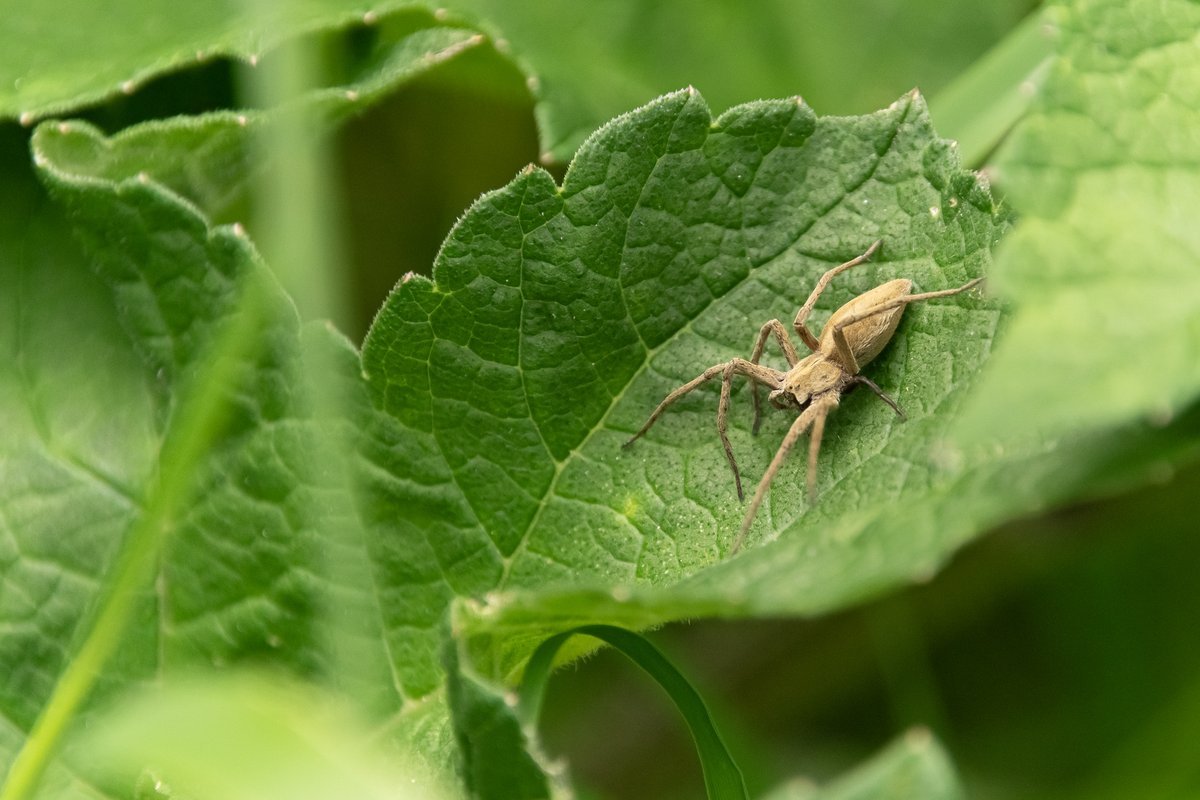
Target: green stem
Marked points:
985	102
722	777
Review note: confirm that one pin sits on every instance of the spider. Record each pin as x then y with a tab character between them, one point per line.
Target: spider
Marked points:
812	385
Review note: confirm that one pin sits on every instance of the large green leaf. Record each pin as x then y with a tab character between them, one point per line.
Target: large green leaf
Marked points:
557	318
248	737
242	576
50	67
1103	267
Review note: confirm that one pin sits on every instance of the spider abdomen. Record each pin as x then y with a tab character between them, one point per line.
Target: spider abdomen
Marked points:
870	335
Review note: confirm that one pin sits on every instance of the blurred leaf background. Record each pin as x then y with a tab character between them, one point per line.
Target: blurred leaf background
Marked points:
1057	657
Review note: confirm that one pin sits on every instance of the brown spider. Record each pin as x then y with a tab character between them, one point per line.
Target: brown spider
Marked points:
814	385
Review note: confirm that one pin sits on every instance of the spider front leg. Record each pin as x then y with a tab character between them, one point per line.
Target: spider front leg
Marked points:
737	366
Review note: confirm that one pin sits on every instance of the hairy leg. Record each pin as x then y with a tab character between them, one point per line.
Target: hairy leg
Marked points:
723	424
738	366
874	387
806	309
813	416
814	449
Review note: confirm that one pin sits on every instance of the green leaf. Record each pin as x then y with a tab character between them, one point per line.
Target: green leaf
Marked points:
558	319
51	68
585	64
78	445
1103	266
212	159
175	280
912	767
244	566
246	737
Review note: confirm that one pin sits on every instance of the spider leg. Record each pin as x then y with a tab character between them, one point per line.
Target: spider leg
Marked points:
814	449
789	352
802	315
702	378
813	416
874	387
839	332
723	424
736	366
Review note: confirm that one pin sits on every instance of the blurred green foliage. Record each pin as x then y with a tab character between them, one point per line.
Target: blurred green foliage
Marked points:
1055	658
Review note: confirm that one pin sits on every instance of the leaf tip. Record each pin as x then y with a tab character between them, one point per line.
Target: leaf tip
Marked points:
918	738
